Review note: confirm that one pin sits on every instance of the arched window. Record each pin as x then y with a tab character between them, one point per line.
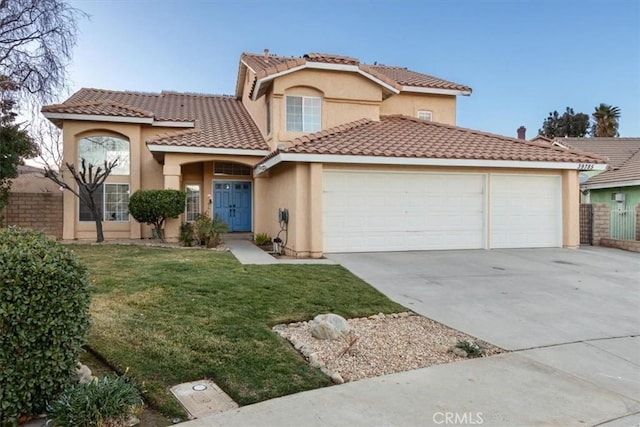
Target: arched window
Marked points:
112	196
98	149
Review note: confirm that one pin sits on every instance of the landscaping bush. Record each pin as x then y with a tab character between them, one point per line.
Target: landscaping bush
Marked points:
263	239
108	402
187	234
44	302
208	230
154	207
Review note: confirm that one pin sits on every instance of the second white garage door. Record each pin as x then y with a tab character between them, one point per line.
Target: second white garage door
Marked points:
393	211
526	211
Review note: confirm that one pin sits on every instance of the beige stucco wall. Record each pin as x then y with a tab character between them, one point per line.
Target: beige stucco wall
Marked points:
145	173
293	187
442	107
299	188
258	108
346	97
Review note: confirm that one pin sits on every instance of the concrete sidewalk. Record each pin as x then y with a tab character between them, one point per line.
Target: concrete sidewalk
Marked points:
504	390
248	253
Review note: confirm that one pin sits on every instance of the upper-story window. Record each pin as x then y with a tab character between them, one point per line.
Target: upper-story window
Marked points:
98	149
303	113
424	115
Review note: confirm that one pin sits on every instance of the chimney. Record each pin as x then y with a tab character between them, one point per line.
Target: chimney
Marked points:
522	131
266	53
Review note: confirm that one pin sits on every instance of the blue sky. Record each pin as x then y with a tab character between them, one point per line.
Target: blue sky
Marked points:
523	59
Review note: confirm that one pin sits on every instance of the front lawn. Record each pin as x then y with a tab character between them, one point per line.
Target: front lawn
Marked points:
178	315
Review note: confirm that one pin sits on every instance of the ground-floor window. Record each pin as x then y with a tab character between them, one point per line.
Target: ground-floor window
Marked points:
193	202
114	201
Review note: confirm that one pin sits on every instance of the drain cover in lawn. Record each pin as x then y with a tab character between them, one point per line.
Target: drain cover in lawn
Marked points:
202	398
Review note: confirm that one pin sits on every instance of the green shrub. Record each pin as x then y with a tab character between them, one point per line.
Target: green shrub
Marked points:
208	230
153	207
105	402
263	239
187	234
472	349
44	320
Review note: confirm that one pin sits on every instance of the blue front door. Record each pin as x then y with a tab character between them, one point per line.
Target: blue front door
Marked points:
232	204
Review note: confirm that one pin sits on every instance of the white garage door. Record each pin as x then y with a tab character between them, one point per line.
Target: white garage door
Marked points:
395	211
526	211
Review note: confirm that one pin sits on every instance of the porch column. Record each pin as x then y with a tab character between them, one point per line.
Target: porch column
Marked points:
570	209
172	175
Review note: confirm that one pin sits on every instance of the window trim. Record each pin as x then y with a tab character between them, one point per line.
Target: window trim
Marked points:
302	97
186	203
430	119
103	207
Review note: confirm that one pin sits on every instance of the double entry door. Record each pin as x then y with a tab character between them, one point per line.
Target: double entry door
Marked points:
232	204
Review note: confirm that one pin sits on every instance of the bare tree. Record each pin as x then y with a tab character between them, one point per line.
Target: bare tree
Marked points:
48	137
89	180
36	42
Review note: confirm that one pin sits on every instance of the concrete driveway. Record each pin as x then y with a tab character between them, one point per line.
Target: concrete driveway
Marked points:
515	299
571	317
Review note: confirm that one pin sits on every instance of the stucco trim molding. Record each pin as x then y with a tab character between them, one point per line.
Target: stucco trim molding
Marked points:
156	148
611	184
412	161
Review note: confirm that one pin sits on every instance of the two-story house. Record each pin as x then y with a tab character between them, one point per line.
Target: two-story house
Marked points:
360	157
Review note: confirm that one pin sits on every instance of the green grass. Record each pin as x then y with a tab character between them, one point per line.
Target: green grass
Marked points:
178	315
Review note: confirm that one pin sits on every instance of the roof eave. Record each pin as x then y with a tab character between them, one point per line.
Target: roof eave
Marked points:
118	119
436	91
321	66
420	161
602	185
160	148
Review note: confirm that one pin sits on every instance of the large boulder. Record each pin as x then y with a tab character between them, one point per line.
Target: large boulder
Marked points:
329	327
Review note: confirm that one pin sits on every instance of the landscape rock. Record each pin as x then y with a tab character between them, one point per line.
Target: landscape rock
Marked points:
459	352
329	327
337	378
83	374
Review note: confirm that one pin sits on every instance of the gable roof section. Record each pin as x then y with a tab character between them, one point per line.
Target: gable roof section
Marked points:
394	79
623	156
211	121
416	141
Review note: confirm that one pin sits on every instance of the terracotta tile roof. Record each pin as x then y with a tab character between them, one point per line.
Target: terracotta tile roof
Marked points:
408	137
220	121
623	156
397	77
407	77
106	107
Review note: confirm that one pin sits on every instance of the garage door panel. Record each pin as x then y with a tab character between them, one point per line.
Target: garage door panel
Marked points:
525	211
387	211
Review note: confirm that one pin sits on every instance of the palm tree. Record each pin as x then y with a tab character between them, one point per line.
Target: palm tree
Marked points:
605	121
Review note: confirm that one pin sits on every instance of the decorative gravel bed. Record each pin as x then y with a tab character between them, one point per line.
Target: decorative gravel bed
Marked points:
380	345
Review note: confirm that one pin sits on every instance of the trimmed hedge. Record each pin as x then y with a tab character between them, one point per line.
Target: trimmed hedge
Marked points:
44	321
153	207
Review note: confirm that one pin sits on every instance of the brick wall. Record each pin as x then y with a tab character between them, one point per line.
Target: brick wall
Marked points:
627	245
38	211
601	222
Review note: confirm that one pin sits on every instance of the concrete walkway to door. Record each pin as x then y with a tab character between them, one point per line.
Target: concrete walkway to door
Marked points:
571	317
